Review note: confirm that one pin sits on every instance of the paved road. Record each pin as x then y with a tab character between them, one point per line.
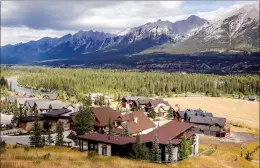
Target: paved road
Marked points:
24	139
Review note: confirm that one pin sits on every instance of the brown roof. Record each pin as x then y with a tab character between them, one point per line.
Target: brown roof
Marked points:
169	130
155	102
102	114
142	123
118	140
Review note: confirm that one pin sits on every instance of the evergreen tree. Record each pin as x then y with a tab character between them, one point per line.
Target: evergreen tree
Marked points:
108	104
184	149
16	111
43	140
186	118
88	101
36	137
156	155
59	136
83	121
21	111
10	86
139	151
152	114
170	113
170	151
72	136
126	131
49	137
110	126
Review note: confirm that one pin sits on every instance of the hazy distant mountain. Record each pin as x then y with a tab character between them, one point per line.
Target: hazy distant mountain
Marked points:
238	30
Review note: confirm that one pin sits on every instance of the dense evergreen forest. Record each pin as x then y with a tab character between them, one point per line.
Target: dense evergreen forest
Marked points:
78	82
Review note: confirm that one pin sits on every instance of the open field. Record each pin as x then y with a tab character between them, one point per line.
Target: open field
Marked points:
240	111
60	157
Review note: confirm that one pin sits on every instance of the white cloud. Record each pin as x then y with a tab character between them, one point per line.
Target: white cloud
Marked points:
34	20
13	35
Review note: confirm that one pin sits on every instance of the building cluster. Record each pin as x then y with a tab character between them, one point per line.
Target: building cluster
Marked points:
133	120
48	110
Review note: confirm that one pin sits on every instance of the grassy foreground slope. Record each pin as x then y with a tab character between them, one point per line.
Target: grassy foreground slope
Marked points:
61	157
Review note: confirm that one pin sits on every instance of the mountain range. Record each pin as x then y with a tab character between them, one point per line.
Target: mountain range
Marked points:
237	31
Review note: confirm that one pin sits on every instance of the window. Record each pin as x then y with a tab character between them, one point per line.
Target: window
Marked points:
91	146
96	146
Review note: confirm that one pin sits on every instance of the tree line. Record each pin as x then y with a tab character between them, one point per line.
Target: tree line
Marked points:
78	82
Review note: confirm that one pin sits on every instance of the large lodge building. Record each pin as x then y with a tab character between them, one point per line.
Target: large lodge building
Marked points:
114	145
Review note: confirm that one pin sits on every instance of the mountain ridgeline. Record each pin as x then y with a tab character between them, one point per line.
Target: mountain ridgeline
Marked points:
235	32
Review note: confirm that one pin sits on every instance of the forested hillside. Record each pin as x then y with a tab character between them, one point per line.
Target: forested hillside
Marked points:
78	82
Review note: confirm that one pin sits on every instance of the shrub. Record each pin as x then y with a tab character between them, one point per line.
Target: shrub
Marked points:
2	146
26	148
46	156
248	156
92	153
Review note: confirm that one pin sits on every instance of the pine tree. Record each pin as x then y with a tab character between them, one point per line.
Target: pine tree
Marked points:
170	151
184	150
139	151
72	136
59	136
126	131
36	137
186	118
156	156
170	113
108	104
152	114
21	110
43	140
88	101
110	126
49	137
83	121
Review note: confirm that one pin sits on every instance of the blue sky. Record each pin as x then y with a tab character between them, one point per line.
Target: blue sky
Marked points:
35	20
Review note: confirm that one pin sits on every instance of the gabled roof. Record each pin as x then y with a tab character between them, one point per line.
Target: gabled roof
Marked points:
117	140
155	102
252	97
22	100
29	118
57	104
197	112
161	108
102	114
133	98
208	120
13	98
142	123
171	129
56	113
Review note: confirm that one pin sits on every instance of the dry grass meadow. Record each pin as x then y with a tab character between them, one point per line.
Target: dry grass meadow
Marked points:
235	110
225	156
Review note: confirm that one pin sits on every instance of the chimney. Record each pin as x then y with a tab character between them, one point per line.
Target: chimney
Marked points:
135	119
